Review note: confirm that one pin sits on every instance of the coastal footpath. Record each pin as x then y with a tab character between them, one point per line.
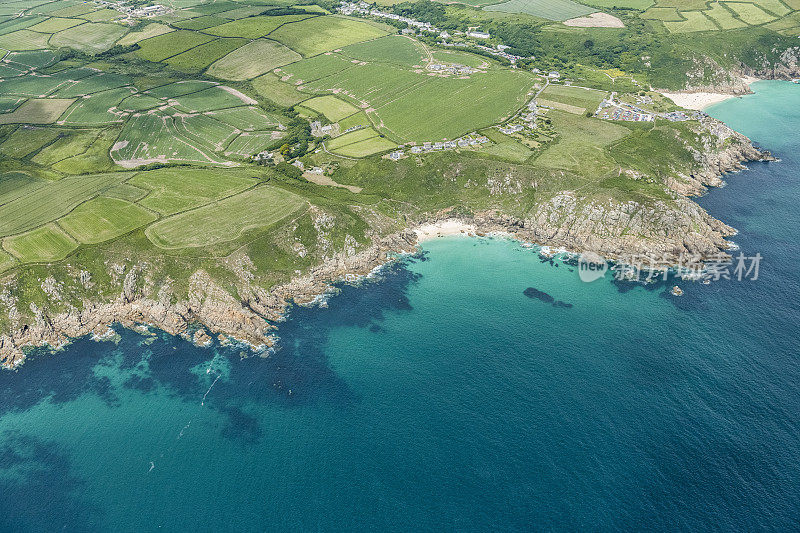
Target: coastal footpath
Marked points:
247	312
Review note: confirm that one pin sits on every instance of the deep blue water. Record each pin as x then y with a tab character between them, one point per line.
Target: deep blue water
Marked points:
440	396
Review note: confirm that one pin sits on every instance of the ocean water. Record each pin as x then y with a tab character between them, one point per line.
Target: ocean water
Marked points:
440	396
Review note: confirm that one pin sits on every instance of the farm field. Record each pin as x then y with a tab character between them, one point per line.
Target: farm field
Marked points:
225	220
695	21
248	144
69	144
200	57
47	243
54	24
26	140
317	67
559	10
723	17
750	13
102	219
366	147
252	60
176	190
322	34
151	30
52	200
333	108
95	110
37	111
23	40
167	45
577	97
91	37
582	144
351	138
254	27
245	118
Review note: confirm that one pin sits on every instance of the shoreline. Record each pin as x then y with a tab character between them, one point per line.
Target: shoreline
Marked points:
701	100
562	223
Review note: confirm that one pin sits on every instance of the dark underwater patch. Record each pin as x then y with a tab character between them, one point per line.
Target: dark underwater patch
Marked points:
536	294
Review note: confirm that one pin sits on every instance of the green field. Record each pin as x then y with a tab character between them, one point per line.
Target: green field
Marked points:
723	17
55	24
252	60
69	144
664	14
167	45
547	9
695	21
248	144
23	40
366	147
322	34
253	27
317	67
151	30
199	57
91	37
389	49
333	108
200	23
505	147
38	111
245	118
102	219
225	220
26	140
47	243
51	201
584	99
582	144
176	190
351	138
750	13
95	110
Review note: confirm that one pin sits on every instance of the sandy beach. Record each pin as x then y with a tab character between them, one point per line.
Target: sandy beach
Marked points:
443	228
697	101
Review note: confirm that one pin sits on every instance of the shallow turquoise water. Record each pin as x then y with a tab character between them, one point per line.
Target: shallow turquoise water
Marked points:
439	396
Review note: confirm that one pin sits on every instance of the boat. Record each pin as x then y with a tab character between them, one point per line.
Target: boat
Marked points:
796	81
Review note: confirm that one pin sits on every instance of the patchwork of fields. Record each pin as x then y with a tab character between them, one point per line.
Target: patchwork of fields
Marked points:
45	221
686	16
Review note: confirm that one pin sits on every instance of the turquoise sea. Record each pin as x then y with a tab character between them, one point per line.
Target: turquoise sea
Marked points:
439	396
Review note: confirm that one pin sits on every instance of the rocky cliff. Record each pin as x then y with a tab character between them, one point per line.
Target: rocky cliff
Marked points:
663	229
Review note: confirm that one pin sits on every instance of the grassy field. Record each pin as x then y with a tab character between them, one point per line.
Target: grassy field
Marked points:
629	4
55	24
351	138
200	57
51	201
389	49
322	34
245	118
69	144
150	138
94	111
253	27
505	147
38	111
26	140
664	14
750	13
151	30
317	67
579	98
225	220
248	144
161	47
547	9
695	21
93	84
723	17
91	37
582	143
252	60
23	40
333	108
200	23
176	190
43	244
366	147
102	219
